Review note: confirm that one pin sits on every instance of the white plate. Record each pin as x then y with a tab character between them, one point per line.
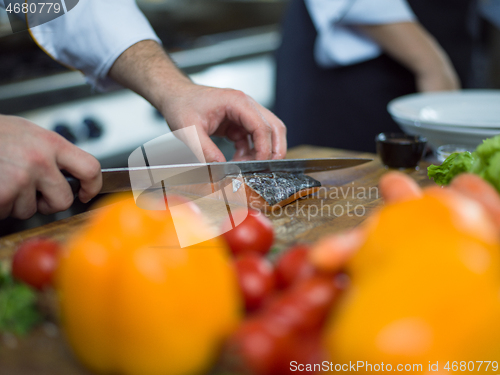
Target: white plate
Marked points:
466	108
441	135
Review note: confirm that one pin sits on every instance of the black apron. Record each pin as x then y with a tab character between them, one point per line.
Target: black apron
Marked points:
345	107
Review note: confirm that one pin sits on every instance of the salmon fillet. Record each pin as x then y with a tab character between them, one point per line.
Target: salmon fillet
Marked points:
262	191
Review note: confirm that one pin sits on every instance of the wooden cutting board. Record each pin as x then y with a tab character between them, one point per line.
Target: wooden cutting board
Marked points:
348	197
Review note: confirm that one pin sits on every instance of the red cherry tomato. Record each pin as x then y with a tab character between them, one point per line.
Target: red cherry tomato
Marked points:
254	235
305	307
293	265
256	279
306	349
255	349
35	261
258	348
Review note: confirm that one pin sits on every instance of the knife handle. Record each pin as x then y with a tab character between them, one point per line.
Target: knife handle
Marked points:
73	182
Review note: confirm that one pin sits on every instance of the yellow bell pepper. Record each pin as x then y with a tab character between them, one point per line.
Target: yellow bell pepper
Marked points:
425	290
134	302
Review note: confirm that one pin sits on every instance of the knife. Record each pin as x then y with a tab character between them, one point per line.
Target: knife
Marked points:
119	179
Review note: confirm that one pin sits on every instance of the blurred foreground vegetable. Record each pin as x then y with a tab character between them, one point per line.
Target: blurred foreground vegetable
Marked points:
254	234
425	280
134	302
293	265
286	330
474	187
484	162
18	312
35	261
256	279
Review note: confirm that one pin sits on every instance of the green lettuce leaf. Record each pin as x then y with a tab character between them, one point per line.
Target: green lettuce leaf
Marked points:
484	162
488	148
18	312
455	164
492	171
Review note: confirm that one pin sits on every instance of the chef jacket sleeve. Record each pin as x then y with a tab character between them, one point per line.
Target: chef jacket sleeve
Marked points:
339	43
92	35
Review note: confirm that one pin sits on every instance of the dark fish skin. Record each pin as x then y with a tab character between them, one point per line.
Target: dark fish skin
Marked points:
278	186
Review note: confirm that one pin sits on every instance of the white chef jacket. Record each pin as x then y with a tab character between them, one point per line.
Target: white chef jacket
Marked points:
339	42
92	35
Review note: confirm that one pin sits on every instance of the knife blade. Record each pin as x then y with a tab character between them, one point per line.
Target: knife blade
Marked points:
119	179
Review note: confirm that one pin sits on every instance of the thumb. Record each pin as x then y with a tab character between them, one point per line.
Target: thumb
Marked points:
210	150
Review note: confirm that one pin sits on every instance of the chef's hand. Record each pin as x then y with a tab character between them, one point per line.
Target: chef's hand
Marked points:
31	160
437	78
227	113
146	69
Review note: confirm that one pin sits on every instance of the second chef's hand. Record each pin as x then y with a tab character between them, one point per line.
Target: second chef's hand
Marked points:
31	159
146	69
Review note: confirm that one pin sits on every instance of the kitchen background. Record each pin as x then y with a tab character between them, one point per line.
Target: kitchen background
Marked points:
220	43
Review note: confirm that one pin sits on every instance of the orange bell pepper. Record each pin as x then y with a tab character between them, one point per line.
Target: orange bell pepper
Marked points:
134	302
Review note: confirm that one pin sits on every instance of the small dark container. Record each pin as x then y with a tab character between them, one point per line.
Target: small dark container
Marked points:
398	150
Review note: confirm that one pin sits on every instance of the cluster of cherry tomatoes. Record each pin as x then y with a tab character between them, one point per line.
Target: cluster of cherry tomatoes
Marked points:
287	302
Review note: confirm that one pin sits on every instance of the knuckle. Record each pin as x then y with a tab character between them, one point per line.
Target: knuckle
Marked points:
56	202
266	128
25	212
54	142
5	198
31	211
43	208
284	129
50	137
22	179
39	160
92	168
63	202
95	167
240	95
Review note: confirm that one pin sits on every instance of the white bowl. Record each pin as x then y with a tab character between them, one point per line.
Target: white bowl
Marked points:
464	117
438	136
